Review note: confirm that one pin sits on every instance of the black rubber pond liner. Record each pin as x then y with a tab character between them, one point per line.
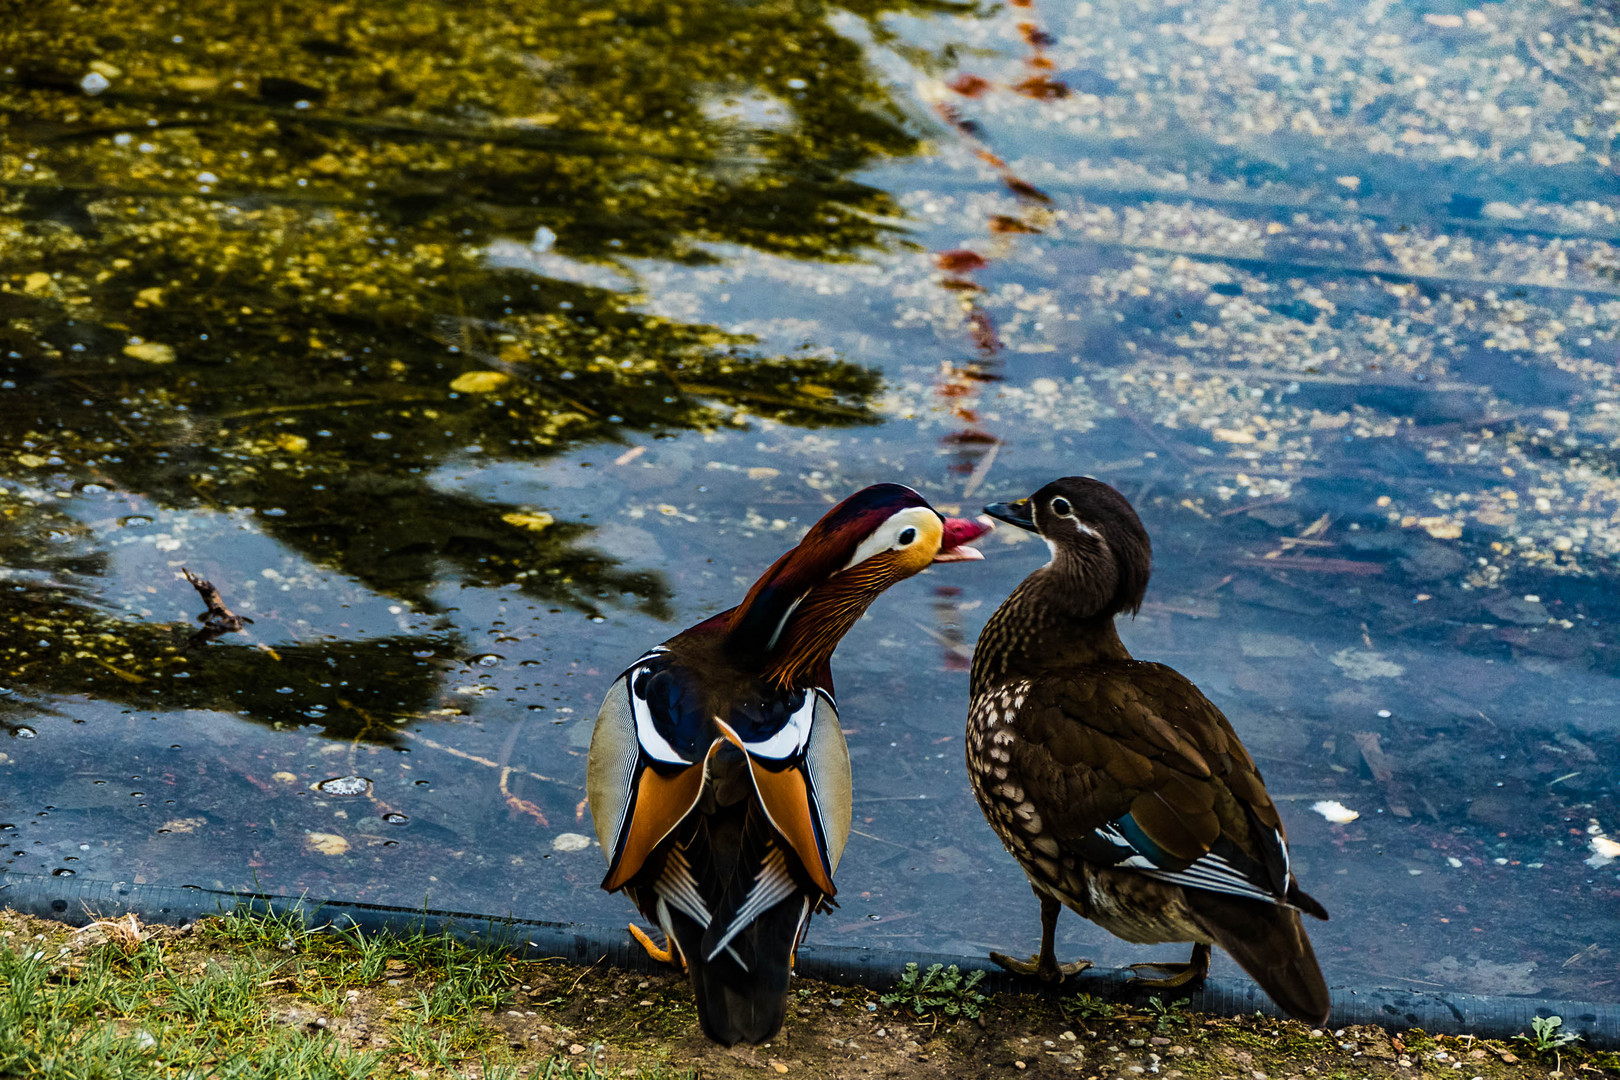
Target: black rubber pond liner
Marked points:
77	901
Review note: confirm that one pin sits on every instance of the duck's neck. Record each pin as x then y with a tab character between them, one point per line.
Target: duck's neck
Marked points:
803	653
787	635
1045	625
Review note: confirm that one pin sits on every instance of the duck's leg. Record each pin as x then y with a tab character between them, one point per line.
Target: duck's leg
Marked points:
1045	966
1193	970
666	955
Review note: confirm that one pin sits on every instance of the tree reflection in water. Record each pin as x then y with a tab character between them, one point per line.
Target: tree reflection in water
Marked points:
244	255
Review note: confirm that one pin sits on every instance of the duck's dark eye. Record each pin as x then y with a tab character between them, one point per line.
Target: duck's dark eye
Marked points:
1061	507
907	536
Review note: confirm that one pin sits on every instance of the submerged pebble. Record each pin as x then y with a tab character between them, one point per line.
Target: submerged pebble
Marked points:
345	786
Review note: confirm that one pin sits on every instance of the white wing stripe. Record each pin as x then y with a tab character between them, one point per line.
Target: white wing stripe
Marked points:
772	885
1211	872
1213	883
677	885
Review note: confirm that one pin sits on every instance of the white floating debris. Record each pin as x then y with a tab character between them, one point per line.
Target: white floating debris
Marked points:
570	841
93	84
544	239
1454	862
1335	811
1604	852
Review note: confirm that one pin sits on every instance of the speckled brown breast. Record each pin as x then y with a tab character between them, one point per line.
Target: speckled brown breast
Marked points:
1126	904
1002	796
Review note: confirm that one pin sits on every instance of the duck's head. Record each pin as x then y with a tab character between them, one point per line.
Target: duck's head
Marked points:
1101	555
798	610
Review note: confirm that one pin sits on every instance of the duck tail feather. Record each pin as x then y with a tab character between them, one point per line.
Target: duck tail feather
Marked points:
1306	902
746	1004
1269	942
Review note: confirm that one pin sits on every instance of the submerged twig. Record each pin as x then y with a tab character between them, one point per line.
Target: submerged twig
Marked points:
218	619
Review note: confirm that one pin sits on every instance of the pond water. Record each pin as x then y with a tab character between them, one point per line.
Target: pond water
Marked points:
469	352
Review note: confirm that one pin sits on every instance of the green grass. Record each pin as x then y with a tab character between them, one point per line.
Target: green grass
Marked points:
240	999
465	979
113	1015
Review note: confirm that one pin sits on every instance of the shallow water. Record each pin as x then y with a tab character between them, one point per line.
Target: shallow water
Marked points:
469	354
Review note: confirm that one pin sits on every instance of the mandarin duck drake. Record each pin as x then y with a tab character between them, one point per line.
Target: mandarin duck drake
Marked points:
1121	790
718	777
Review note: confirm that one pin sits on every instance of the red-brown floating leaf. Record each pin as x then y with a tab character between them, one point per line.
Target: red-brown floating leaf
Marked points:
1022	3
948	113
1025	189
958	285
1040	63
991	160
960	261
969	438
1035	36
1003	223
982	329
1042	88
969	85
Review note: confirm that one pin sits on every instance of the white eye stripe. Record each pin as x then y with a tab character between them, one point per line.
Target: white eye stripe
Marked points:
887	535
1084	529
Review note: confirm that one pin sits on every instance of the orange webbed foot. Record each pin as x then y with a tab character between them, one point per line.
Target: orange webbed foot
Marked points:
667	955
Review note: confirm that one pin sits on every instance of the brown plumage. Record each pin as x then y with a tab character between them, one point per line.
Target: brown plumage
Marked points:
1119	787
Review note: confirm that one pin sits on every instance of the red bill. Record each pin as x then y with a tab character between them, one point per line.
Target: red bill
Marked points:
959	532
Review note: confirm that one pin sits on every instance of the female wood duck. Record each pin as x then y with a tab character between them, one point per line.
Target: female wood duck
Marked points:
1121	790
718	775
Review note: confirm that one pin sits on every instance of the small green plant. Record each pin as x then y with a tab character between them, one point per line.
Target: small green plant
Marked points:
1167	1016
1545	1035
940	990
1087	1007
